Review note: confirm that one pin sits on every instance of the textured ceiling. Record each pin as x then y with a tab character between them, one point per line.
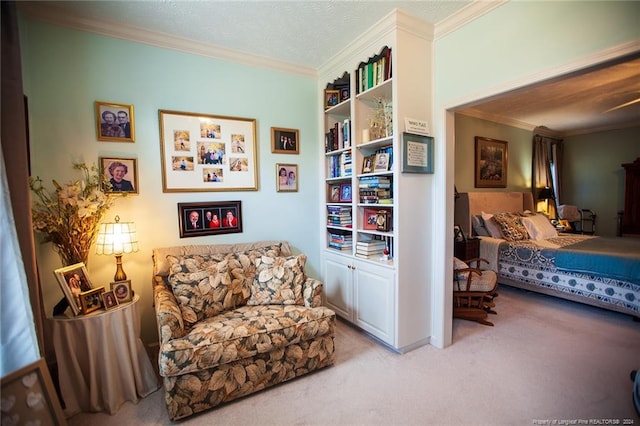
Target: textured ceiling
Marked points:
307	34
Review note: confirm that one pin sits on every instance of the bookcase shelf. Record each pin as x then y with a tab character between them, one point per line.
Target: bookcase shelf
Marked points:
377	279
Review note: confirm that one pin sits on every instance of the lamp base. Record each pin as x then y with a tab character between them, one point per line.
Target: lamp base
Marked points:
120	275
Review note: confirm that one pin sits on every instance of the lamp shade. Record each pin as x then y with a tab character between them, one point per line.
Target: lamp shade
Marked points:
545	193
116	238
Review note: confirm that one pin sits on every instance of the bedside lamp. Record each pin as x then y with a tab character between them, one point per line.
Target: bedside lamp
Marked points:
546	194
117	238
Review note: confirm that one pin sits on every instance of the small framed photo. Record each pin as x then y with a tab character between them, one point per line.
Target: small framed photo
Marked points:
74	280
334	193
381	163
209	218
109	300
114	122
345	193
285	141
91	300
122	290
383	220
369	218
344	92
367	163
331	98
120	175
458	235
287	177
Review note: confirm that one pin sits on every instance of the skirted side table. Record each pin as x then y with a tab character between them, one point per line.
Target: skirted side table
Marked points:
102	362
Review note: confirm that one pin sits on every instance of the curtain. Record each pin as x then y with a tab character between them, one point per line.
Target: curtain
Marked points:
16	153
545	166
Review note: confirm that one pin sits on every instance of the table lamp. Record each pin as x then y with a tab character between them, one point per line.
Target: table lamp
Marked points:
546	194
117	238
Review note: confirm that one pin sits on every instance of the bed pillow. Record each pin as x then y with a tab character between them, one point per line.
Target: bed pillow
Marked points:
511	227
539	227
278	281
477	223
491	225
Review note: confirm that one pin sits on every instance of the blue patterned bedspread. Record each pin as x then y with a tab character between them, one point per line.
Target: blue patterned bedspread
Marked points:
535	266
609	257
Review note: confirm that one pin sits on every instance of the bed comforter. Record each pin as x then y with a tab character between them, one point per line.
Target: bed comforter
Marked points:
533	265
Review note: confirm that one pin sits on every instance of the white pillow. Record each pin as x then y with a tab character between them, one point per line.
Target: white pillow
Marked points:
491	226
539	227
459	264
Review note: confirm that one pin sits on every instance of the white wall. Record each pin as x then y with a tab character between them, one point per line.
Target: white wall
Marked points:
66	71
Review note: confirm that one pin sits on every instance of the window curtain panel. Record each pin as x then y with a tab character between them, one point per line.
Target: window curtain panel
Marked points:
543	148
19	278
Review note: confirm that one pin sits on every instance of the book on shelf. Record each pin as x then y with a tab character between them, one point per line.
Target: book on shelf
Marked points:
369	256
375	71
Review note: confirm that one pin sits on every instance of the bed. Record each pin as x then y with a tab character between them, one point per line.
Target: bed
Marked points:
597	271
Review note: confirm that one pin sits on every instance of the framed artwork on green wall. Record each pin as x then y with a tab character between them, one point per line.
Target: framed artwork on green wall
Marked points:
490	163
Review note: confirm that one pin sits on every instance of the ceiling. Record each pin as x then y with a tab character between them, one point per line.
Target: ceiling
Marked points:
306	34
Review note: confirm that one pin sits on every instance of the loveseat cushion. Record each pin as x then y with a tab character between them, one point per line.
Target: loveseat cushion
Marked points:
242	333
207	284
278	281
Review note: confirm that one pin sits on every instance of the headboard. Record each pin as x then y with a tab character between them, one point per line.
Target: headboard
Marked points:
469	204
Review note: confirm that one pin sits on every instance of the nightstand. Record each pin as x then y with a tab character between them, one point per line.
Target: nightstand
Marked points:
101	360
467	249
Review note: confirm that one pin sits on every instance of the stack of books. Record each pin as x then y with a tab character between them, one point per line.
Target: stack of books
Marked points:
339	216
340	240
371	249
340	165
375	190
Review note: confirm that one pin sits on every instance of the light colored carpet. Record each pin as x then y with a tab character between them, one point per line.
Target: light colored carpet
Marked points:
545	359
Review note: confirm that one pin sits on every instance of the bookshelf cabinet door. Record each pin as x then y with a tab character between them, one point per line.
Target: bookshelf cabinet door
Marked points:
374	307
338	285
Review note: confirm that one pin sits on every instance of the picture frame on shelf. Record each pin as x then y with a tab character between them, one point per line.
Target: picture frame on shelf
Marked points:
334	193
381	162
287	177
122	290
458	235
91	300
369	218
285	141
345	193
120	173
491	163
207	153
368	163
73	280
34	396
209	218
109	300
417	153
331	98
114	122
344	92
383	220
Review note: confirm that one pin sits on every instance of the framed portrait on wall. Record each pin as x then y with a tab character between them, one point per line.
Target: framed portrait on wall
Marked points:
285	141
490	163
121	174
209	218
114	122
287	179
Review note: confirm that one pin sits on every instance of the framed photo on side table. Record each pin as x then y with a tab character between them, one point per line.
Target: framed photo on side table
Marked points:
91	300
109	300
122	290
73	280
114	122
491	163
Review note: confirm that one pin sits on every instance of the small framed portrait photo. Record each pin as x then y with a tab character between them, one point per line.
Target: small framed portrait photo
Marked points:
331	98
114	122
287	180
345	193
74	280
344	92
91	300
285	141
334	193
109	300
120	175
122	290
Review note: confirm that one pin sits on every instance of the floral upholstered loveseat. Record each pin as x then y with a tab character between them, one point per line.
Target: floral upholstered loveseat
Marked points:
234	319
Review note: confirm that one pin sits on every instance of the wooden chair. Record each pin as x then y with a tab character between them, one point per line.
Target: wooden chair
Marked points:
474	291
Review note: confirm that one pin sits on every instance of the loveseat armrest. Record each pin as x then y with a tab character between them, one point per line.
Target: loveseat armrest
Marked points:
168	314
312	292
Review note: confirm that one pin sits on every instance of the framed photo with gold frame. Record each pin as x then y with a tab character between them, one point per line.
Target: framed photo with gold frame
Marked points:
331	98
73	280
33	396
122	290
114	122
491	163
91	300
287	179
121	173
285	141
109	300
206	153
